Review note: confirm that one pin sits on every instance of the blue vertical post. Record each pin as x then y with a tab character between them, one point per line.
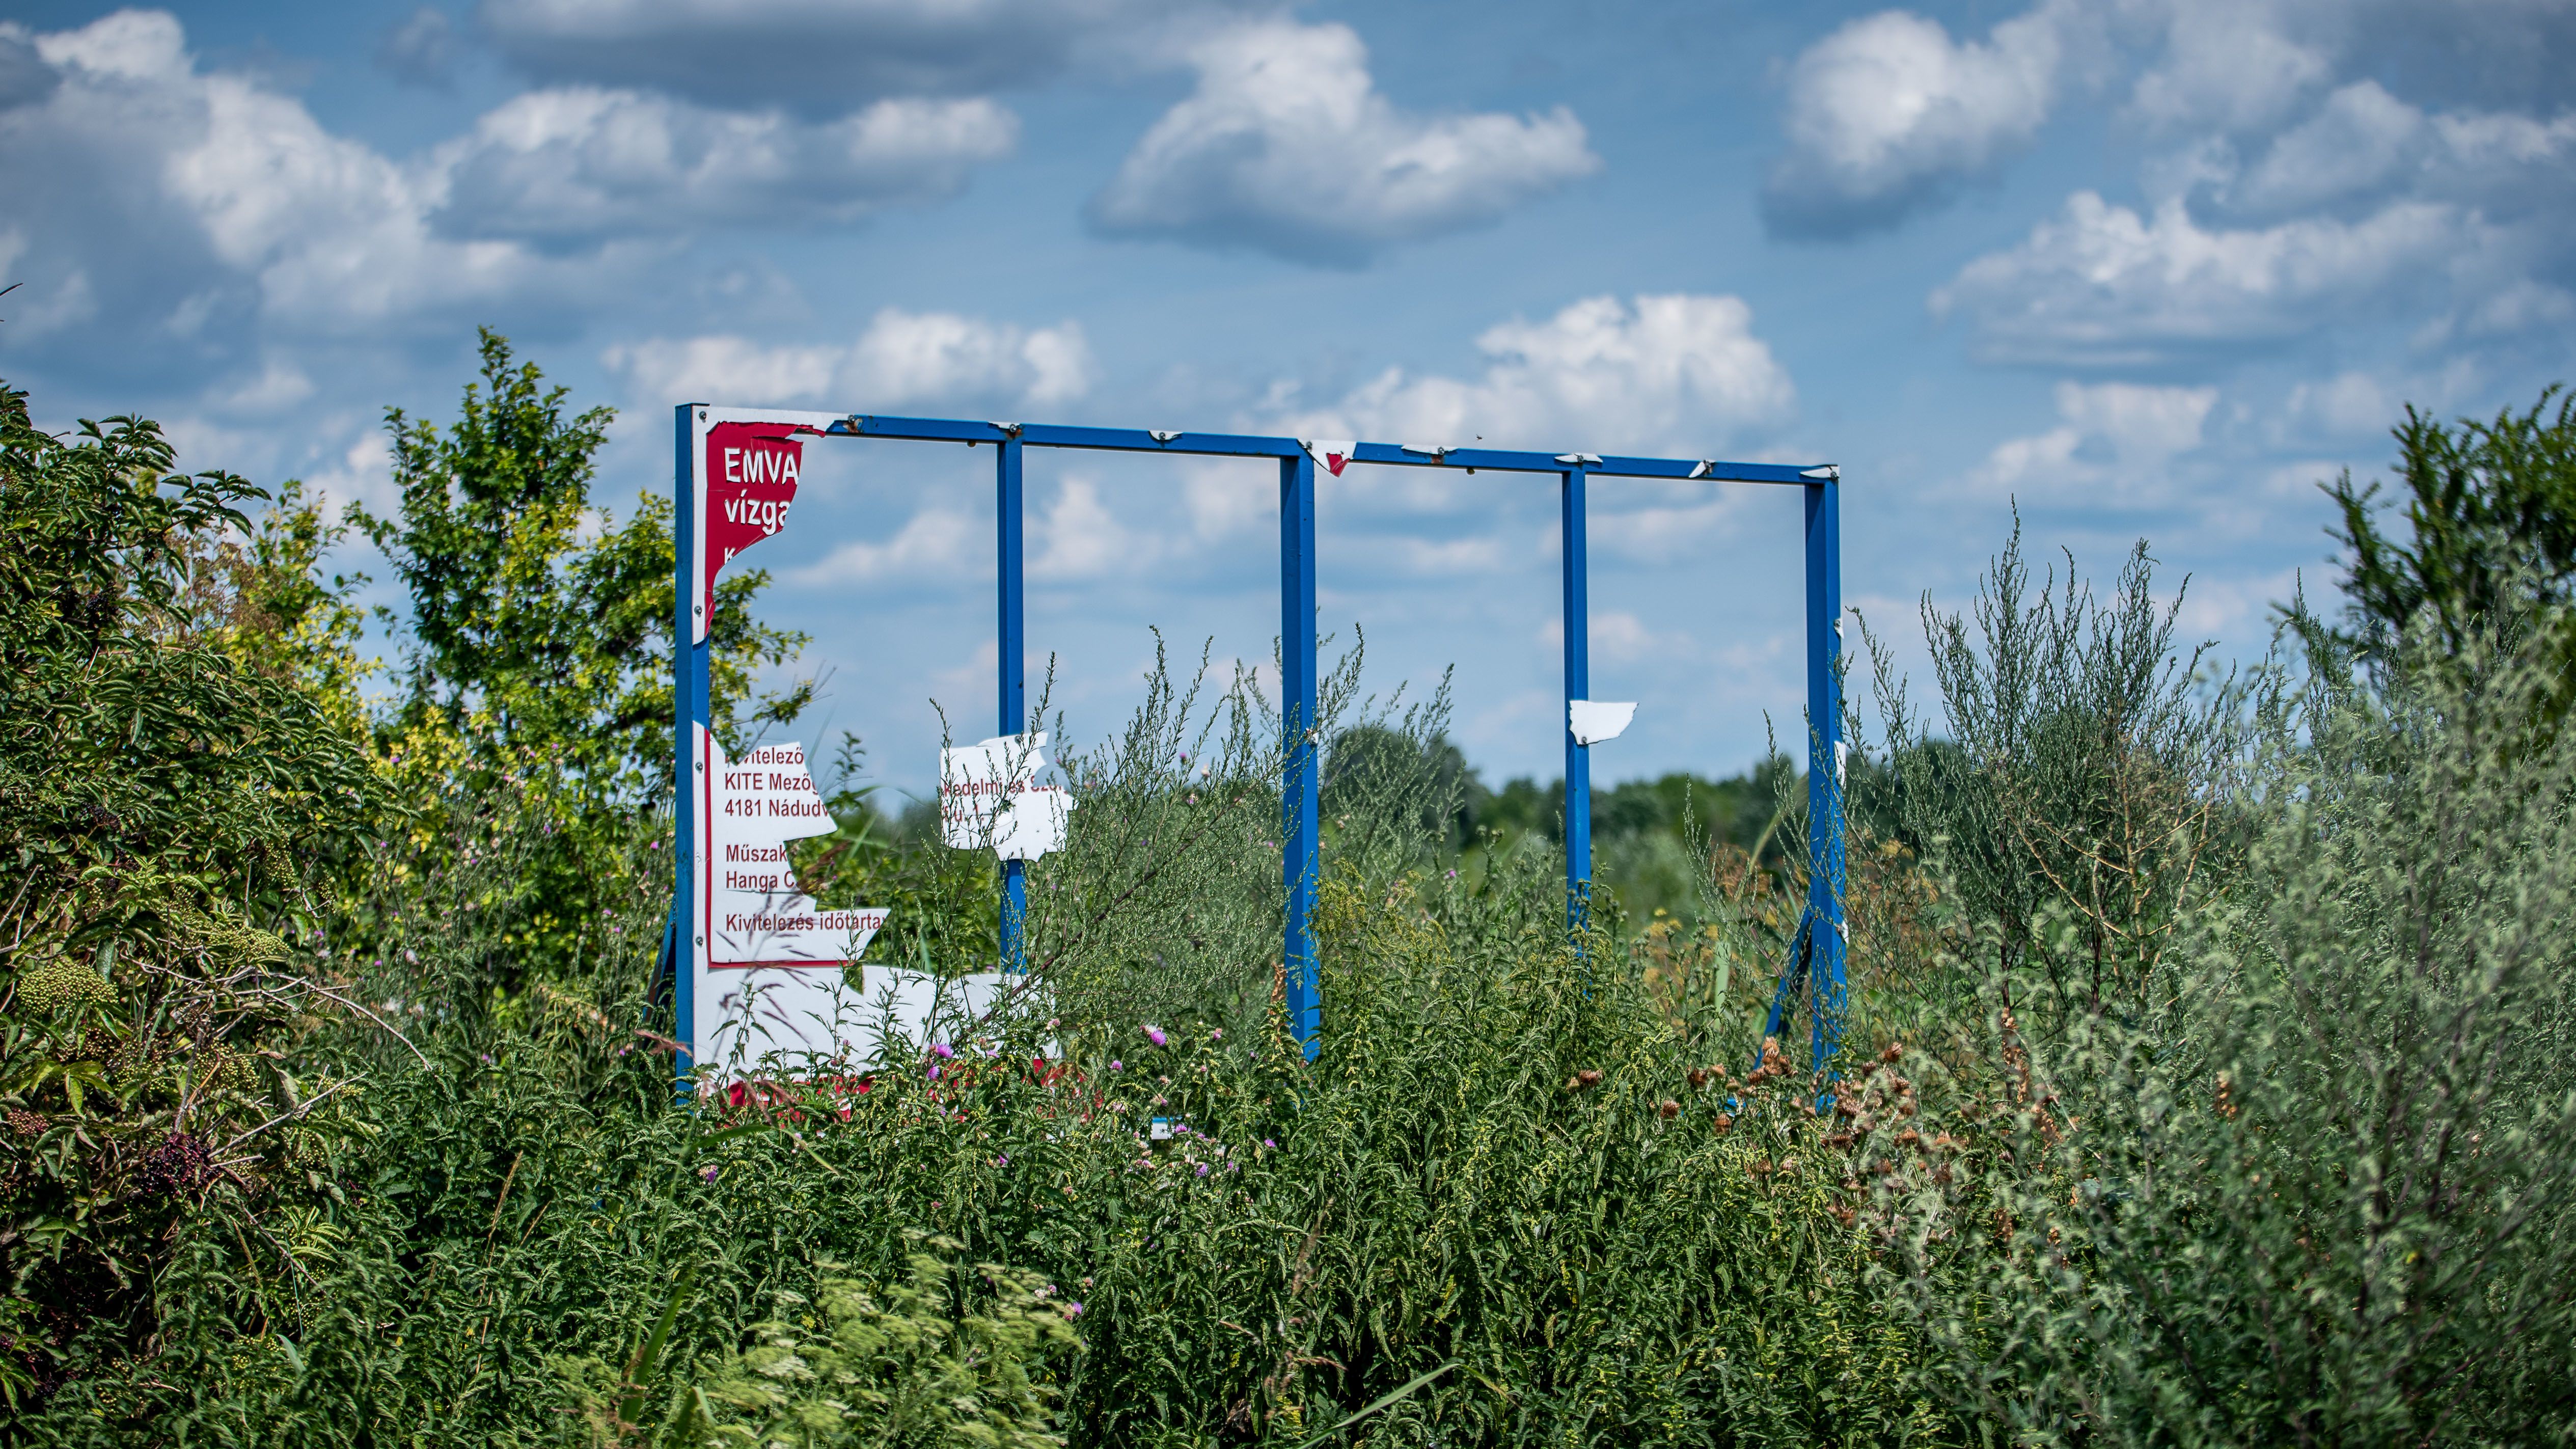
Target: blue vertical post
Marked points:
1299	853
1578	685
689	698
1012	633
1825	932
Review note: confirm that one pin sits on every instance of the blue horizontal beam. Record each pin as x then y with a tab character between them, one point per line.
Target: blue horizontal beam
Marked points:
1249	445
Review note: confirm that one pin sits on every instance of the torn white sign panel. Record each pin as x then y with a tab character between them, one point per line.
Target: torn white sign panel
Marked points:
773	957
988	794
1594	720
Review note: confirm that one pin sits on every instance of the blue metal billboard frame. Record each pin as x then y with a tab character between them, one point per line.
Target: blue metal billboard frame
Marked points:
1816	957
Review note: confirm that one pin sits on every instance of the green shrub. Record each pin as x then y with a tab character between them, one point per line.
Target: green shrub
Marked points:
2313	1189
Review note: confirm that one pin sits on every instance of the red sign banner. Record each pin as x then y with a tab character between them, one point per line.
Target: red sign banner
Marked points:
750	477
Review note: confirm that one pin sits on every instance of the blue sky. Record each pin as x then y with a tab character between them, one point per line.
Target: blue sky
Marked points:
2144	268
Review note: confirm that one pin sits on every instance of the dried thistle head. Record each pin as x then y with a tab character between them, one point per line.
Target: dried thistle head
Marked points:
1669	1110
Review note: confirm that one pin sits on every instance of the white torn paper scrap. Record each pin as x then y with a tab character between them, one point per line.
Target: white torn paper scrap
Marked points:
988	793
1595	720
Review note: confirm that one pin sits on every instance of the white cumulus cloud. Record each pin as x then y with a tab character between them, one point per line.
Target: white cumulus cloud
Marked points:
200	198
581	161
900	359
2315	167
815	57
2101	283
1288	147
2112	445
207	205
1077	537
936	544
1889	113
1680	373
2233	65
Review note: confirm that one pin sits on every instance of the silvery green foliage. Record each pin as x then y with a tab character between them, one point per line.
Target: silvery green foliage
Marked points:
2076	797
2312	1187
1167	901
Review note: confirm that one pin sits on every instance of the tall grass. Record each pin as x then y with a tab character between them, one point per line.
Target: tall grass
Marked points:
2288	1172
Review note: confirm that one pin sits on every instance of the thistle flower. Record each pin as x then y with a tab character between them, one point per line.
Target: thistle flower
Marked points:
1155	1035
943	1049
1669	1110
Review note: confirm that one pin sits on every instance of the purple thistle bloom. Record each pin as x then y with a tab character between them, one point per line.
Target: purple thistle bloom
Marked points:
1117	1066
1202	1169
1073	1310
1266	1142
943	1049
1155	1035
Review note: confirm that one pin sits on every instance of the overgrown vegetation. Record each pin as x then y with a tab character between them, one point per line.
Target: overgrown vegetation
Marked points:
2207	1079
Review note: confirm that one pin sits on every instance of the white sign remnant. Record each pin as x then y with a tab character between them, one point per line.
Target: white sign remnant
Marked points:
773	981
988	794
765	968
1331	454
1594	720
